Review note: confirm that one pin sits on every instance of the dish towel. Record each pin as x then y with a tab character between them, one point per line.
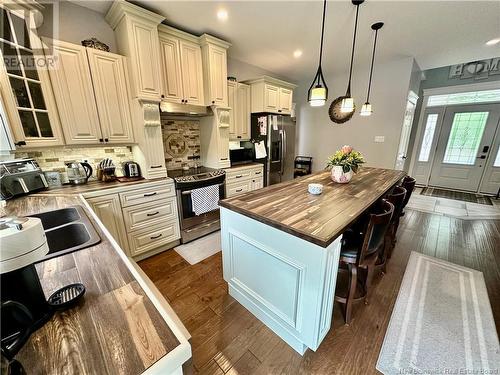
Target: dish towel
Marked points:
205	199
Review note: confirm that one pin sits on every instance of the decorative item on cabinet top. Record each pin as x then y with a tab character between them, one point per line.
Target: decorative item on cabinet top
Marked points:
94	43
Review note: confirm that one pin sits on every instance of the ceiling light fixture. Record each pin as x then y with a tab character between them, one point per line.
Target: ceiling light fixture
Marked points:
222	14
318	91
347	105
366	109
297	53
492	42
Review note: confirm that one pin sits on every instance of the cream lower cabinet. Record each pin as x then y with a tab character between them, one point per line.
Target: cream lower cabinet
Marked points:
244	179
142	219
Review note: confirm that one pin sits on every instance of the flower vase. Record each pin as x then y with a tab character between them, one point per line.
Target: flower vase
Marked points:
338	174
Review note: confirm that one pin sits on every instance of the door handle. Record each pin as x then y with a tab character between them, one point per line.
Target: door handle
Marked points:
481	157
485	149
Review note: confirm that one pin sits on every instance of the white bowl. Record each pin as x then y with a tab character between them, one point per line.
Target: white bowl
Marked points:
315	189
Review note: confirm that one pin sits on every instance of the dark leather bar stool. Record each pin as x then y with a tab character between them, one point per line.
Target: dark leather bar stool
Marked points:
409	184
358	257
397	198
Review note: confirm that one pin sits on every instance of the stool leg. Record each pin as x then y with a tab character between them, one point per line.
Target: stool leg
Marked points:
353	282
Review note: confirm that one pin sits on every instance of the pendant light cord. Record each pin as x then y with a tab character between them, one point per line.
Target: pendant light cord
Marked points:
352	53
371	68
321	42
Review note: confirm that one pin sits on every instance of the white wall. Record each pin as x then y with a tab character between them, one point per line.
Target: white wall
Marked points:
319	137
243	71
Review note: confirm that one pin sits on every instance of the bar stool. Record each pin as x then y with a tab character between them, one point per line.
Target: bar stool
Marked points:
409	184
397	198
360	252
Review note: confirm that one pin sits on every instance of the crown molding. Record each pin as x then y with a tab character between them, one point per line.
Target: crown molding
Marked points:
121	8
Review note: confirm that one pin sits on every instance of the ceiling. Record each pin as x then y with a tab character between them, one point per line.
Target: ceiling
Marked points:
266	33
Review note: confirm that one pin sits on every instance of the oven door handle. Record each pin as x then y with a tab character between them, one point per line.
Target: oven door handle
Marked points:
187	192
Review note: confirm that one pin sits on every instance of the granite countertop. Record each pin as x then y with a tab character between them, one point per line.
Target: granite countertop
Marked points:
116	330
319	219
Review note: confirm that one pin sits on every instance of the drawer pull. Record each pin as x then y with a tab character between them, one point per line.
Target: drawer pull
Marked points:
150	194
238	190
156	166
155	237
258	172
153	214
223	159
238	176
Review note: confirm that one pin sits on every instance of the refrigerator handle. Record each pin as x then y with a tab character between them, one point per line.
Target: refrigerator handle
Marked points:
284	153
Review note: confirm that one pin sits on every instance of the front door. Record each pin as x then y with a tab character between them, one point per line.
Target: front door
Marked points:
464	145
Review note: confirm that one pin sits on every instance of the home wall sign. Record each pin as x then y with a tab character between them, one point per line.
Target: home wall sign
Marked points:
476	69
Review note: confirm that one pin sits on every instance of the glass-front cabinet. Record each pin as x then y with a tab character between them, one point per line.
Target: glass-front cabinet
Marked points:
24	82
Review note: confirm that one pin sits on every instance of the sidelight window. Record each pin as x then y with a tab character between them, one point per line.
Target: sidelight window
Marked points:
465	137
430	128
497	159
21	70
486	96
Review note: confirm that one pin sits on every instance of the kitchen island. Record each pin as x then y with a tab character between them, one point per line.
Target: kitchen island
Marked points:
281	247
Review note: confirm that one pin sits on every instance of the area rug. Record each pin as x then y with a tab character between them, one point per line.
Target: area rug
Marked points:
442	322
456	195
202	248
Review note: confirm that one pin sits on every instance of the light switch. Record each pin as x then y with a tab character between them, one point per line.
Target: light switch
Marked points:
379	139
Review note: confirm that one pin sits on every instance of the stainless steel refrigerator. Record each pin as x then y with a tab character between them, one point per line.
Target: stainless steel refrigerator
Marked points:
278	134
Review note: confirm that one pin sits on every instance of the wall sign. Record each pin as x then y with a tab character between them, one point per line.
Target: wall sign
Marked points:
476	69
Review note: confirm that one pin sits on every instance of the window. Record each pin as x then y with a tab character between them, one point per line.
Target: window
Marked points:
465	137
430	128
23	77
497	159
485	96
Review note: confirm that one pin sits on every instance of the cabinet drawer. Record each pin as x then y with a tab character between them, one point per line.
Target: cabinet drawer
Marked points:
145	195
238	175
238	188
144	215
151	238
258	172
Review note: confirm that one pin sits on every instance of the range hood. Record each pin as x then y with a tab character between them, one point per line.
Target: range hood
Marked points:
178	109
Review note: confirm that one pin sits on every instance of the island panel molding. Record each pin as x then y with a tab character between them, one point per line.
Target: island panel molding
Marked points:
319	219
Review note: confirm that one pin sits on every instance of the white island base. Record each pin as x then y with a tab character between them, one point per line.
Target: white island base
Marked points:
288	283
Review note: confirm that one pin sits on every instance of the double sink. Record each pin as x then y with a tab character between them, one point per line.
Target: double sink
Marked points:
67	230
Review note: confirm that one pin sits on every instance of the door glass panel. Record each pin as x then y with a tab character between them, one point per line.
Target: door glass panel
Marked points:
29	64
10	58
20	93
430	128
36	95
20	31
465	137
464	98
28	123
497	159
44	124
5	27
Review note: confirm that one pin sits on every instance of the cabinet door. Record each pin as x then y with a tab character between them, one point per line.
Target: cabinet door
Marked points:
110	80
243	112
271	98
108	210
74	93
258	183
171	68
285	98
232	100
144	61
218	76
192	73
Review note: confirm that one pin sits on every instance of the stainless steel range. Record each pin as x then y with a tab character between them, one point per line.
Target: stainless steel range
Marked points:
195	226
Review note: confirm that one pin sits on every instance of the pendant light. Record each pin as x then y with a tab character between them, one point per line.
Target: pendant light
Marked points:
347	104
366	109
318	91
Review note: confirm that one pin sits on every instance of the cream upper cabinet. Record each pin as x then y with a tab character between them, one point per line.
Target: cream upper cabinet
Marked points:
232	100
72	84
110	81
171	68
181	64
271	95
26	92
214	53
136	31
239	118
192	73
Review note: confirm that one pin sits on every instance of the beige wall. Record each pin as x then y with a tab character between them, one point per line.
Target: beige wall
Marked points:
319	137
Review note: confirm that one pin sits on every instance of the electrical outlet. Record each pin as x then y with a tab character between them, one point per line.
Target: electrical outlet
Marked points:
379	139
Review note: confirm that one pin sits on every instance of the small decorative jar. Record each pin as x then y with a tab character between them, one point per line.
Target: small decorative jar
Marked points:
338	174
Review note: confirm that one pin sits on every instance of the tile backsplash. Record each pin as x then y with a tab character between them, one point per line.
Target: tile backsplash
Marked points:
181	141
54	159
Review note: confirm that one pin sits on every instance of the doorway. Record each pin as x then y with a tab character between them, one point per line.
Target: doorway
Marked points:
467	150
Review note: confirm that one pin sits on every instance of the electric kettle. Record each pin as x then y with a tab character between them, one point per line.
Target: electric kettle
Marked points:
78	172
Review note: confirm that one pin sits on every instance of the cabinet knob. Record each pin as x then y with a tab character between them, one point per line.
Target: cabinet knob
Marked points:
106	140
185	101
213	101
163	96
101	140
279	110
238	136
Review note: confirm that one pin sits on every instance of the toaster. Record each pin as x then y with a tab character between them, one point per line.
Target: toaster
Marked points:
131	169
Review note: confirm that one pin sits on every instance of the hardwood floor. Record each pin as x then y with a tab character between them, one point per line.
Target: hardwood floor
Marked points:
226	338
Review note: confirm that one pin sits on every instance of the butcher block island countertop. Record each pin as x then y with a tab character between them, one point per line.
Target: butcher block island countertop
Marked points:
119	328
319	219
